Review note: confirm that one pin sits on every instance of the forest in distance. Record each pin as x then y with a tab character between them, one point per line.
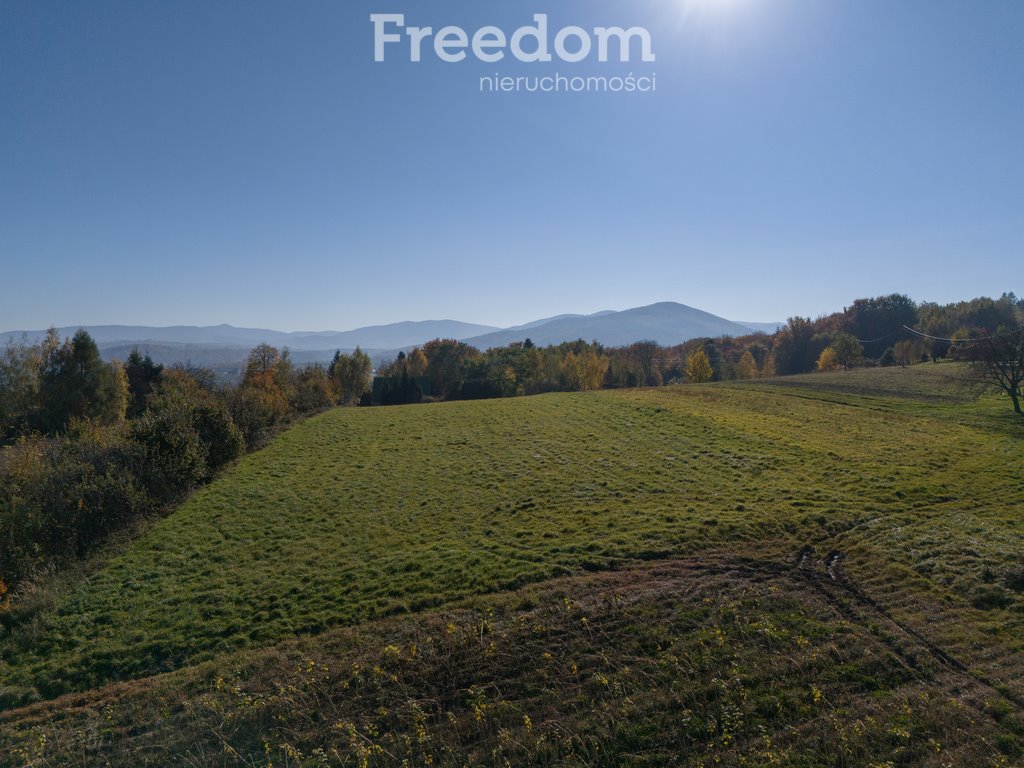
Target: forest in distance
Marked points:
90	446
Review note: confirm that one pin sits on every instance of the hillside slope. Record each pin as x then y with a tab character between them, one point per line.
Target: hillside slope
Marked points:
882	506
716	660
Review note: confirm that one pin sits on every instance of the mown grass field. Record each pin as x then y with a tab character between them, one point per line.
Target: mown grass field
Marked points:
777	573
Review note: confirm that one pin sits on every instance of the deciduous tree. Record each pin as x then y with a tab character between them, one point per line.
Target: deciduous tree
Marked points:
997	362
262	400
446	358
352	375
828	360
797	346
903	352
747	368
698	367
848	351
314	390
21	367
880	321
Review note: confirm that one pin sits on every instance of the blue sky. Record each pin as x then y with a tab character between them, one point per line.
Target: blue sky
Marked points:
202	162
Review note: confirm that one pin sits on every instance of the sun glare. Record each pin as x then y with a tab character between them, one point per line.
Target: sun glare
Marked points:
712	6
713	17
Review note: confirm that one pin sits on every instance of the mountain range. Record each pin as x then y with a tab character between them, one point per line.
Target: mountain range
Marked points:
224	347
394	336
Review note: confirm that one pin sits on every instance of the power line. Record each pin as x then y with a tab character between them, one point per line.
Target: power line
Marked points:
984	338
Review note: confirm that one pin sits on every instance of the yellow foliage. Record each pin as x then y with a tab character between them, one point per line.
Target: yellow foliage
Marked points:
698	367
584	372
416	363
829	360
748	366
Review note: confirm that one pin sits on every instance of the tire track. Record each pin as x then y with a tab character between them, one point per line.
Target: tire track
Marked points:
850	601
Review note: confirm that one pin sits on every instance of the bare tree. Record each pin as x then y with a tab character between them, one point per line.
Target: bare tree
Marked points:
997	362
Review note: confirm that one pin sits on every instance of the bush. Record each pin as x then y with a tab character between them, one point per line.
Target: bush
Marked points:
314	390
223	440
61	495
174	455
96	473
256	410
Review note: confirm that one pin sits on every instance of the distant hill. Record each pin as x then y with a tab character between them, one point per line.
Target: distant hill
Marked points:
762	327
229	362
224	348
394	336
546	320
667	323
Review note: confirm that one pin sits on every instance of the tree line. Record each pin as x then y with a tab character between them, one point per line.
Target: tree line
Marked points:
90	446
883	331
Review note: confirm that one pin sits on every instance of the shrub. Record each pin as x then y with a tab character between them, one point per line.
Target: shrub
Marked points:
174	456
61	495
223	440
314	390
256	410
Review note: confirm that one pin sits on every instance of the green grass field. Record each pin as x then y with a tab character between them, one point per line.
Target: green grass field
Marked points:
763	566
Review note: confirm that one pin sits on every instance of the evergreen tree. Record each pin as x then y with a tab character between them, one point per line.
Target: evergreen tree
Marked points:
143	375
76	383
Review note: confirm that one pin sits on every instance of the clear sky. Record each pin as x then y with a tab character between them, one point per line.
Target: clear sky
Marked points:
248	162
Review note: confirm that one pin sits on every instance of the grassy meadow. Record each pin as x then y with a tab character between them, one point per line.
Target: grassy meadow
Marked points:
812	571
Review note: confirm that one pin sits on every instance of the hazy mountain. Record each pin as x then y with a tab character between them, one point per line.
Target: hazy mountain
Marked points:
394	336
229	362
225	348
222	335
762	327
667	323
547	320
